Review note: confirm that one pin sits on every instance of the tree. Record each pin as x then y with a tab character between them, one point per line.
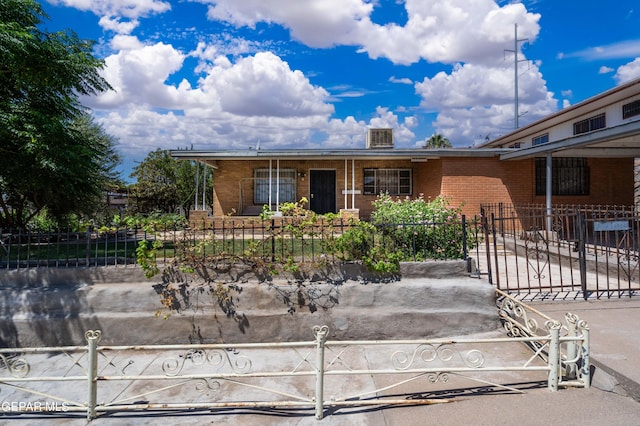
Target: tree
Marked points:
164	184
437	141
52	155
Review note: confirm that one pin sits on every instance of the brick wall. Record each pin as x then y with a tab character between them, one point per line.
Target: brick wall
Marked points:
473	181
467	181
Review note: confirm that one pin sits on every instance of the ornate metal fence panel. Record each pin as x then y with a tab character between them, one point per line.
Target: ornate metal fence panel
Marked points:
575	250
315	375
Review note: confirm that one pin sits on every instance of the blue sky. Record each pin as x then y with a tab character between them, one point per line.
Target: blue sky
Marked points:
228	74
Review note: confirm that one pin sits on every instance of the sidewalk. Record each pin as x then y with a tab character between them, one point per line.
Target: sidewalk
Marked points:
615	339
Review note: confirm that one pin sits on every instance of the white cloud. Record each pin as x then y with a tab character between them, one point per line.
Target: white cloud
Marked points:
628	72
115	25
138	73
605	70
131	9
439	31
619	50
111	11
450	31
264	85
404	80
472	34
234	105
245	93
475	100
317	23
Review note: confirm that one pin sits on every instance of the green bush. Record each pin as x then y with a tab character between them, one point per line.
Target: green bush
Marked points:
420	229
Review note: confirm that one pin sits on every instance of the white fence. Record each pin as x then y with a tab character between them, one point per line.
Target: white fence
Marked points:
312	375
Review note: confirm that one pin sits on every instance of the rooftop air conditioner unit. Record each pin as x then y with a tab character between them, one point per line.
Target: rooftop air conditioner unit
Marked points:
379	138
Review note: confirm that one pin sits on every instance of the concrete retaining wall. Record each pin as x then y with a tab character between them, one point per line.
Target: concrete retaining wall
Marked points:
55	306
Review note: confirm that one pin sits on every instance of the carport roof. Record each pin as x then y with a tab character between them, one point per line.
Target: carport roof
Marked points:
617	141
612	142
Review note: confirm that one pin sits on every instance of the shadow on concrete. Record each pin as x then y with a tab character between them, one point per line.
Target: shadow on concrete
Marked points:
273	414
45	315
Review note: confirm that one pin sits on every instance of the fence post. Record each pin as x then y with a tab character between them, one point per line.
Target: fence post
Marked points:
92	337
572	345
464	238
495	248
88	247
485	226
554	354
582	254
273	240
321	336
586	361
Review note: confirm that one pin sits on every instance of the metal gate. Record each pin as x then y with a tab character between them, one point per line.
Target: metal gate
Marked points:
574	250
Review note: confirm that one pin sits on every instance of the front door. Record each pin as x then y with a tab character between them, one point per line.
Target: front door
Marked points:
322	189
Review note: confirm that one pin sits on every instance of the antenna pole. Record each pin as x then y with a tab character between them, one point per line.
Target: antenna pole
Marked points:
515	67
516	111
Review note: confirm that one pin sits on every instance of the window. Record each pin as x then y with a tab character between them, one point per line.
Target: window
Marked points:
590	124
538	140
515	145
631	109
570	176
287	186
391	181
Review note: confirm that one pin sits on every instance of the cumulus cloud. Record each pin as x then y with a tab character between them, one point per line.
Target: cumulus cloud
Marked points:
244	92
449	31
234	105
111	11
471	35
138	73
317	23
628	72
476	100
439	31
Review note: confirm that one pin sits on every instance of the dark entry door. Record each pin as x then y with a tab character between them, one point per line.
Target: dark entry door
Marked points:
322	185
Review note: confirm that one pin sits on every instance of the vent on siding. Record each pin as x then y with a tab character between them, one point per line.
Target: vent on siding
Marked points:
379	138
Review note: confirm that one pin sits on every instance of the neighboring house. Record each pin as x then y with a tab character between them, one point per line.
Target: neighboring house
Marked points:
586	151
117	200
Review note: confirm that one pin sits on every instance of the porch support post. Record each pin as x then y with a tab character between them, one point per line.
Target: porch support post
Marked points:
204	186
346	176
270	182
549	189
197	164
278	184
353	183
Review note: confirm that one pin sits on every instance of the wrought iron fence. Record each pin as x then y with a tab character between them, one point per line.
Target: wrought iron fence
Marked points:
565	248
315	374
275	239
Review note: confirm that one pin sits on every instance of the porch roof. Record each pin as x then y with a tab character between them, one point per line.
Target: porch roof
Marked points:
416	155
612	142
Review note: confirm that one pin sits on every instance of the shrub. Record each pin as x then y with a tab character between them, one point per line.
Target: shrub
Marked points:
420	229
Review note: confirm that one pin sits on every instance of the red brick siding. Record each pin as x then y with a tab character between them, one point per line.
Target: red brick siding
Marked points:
467	181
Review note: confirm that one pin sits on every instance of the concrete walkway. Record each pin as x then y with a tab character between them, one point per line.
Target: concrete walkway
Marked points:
615	340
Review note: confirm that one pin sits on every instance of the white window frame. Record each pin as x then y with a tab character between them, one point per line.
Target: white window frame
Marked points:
286	187
391	181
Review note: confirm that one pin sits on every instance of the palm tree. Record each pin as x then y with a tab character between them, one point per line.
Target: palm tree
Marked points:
437	141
